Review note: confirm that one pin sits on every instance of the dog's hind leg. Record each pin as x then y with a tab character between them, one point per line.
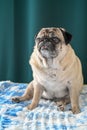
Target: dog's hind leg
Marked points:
62	103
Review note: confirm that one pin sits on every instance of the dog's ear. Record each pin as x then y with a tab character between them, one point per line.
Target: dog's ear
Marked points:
67	35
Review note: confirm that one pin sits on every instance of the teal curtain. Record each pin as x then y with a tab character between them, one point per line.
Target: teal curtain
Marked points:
20	20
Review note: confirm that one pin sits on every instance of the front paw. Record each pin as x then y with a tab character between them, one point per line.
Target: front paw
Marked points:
31	106
16	99
75	110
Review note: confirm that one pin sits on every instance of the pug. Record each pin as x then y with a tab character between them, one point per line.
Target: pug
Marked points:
57	71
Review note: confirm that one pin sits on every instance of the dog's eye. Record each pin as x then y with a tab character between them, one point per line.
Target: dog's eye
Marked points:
56	39
38	40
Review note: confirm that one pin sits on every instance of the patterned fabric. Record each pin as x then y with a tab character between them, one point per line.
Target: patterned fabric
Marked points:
15	116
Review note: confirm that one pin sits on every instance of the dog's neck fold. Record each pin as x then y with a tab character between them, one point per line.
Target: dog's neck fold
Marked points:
42	62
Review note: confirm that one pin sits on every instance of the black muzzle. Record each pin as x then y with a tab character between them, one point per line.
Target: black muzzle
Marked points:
46	44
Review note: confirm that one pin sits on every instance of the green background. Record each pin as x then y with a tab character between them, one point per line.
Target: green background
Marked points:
20	20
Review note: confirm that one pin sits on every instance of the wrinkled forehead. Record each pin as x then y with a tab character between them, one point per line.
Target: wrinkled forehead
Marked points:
50	32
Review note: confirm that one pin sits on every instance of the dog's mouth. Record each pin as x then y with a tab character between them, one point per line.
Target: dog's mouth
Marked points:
47	46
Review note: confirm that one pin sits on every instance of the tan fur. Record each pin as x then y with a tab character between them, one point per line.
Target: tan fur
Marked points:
52	77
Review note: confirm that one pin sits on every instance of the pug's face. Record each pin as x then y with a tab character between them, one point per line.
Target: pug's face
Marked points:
49	41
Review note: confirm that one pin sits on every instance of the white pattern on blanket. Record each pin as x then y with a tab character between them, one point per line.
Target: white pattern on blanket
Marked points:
15	116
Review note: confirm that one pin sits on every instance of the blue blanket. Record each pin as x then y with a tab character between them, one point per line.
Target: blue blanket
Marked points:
15	116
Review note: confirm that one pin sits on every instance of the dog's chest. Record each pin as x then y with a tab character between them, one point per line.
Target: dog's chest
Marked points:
53	79
53	83
51	74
